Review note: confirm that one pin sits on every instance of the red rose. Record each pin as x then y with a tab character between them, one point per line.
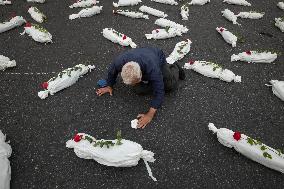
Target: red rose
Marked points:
191	62
77	138
44	85
248	52
221	29
237	136
157	31
124	37
28	25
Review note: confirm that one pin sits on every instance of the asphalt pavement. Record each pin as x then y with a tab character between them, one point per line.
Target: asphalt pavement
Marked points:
187	154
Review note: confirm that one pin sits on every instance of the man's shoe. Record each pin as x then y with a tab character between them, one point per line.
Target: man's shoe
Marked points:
180	72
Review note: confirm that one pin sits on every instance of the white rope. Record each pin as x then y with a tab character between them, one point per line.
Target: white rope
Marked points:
149	170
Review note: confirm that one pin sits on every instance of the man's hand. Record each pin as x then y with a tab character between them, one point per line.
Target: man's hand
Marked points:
104	90
144	119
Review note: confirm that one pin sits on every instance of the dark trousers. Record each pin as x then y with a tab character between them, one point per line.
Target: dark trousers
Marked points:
170	77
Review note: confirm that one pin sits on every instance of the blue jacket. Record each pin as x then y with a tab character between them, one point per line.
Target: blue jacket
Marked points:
151	61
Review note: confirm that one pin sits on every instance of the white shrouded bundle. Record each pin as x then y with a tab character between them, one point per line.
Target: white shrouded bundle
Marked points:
64	79
254	56
5	2
116	153
134	123
278	88
199	2
238	2
5	153
5	62
164	33
167	23
131	14
36	1
83	4
87	12
251	148
280	5
228	36
169	2
117	37
184	12
152	11
180	50
14	22
212	70
38	33
279	22
123	3
36	14
230	16
250	15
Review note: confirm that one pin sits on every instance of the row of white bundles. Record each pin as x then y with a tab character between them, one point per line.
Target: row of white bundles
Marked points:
83	4
12	23
64	79
87	12
117	37
122	3
251	148
5	2
229	15
212	70
116	153
5	63
131	14
38	33
180	50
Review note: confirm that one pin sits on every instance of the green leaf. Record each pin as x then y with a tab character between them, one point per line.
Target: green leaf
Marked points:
118	138
263	148
279	152
267	155
89	139
251	141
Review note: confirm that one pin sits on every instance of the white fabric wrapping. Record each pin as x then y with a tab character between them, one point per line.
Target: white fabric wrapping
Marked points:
152	11
253	152
125	155
230	16
117	37
134	123
5	62
58	83
180	50
280	5
278	88
5	168
167	23
5	2
163	33
37	35
83	4
184	12
238	2
87	12
131	14
227	36
36	1
36	14
199	2
169	2
279	22
254	56
212	70
14	22
250	15
122	3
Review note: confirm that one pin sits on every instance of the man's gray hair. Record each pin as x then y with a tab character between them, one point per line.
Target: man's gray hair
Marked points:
131	73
